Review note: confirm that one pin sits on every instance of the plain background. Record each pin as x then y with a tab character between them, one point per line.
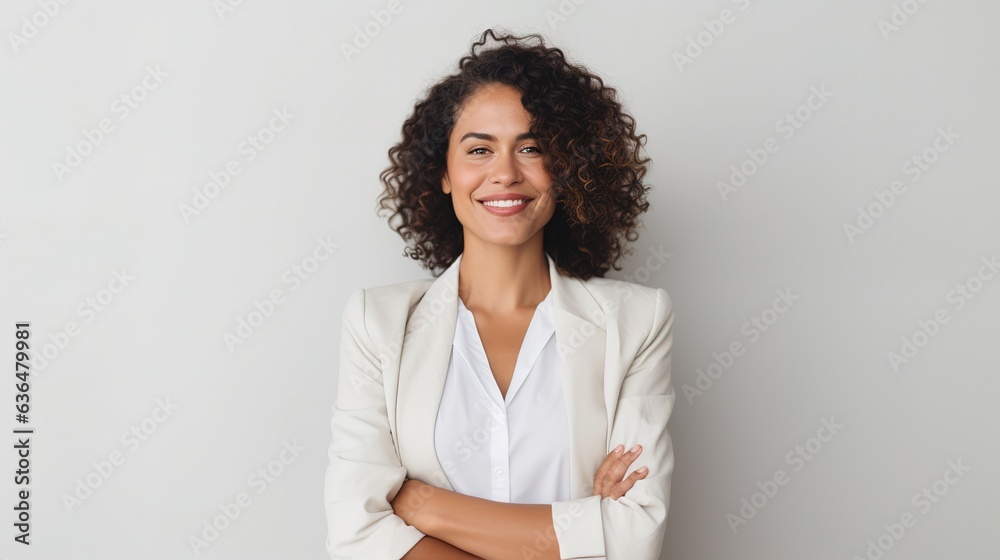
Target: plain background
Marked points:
63	237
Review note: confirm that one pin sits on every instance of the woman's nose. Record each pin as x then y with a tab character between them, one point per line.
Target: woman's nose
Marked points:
504	169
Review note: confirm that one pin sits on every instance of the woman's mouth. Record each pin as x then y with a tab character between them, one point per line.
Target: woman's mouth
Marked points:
505	207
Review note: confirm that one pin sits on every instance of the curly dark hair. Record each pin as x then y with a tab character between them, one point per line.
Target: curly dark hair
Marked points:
589	147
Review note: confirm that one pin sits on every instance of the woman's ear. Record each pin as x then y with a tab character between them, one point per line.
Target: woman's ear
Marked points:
445	184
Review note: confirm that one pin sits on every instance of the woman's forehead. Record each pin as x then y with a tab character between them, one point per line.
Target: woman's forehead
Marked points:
496	112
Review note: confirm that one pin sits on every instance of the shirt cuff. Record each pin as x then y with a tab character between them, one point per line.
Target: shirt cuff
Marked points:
579	528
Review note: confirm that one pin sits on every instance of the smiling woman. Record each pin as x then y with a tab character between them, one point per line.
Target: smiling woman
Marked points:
588	144
497	171
495	411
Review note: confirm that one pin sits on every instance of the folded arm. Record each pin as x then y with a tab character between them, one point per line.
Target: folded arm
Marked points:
595	527
489	529
429	548
632	527
364	471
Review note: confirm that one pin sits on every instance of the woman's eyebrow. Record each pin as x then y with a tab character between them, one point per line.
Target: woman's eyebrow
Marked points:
491	138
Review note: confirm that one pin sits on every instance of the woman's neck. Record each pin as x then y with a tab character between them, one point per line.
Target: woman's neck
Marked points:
502	279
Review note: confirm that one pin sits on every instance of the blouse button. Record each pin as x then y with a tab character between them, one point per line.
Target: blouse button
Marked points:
500	472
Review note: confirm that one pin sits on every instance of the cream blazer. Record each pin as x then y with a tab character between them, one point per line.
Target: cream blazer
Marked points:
614	341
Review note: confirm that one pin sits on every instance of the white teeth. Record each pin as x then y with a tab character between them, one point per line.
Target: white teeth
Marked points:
504	203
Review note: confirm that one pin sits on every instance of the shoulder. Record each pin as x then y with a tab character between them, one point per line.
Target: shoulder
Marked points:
630	300
371	305
643	315
386	292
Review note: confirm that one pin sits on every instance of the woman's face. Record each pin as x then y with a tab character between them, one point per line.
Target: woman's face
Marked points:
490	155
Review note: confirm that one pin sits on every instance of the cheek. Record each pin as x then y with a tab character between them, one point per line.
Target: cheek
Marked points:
544	183
548	196
466	179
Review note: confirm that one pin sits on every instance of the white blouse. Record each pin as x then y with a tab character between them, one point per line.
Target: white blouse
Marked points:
510	449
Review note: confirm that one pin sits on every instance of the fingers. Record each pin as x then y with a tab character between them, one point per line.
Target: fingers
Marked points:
602	471
603	478
620	488
608	481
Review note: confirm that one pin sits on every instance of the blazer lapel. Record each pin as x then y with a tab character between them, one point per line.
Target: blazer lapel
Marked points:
582	339
423	366
582	335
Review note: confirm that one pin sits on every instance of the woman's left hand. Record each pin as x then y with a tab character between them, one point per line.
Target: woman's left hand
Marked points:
608	481
411	503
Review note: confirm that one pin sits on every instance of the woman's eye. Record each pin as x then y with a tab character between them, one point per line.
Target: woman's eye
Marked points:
480	151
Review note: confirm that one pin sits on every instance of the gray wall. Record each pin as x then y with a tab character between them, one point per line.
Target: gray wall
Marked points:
872	206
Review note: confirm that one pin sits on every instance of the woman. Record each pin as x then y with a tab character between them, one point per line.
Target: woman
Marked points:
494	411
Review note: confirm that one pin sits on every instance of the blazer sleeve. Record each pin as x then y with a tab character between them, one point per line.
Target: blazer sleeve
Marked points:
631	527
364	473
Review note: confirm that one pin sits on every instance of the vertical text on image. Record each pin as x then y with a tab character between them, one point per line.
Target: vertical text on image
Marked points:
22	436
